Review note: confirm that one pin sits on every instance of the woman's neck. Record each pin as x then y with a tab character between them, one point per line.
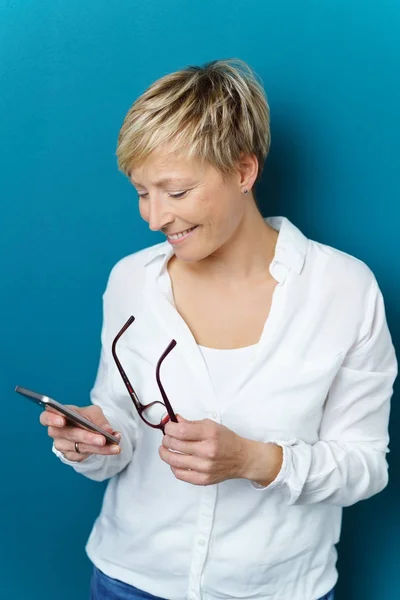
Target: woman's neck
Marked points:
246	256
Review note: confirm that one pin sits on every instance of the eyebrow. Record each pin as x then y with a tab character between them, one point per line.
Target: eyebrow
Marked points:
165	180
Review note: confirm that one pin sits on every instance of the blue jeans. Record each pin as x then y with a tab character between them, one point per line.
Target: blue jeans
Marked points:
329	596
105	588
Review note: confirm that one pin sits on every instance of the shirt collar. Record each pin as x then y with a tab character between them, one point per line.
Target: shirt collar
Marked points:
164	251
291	246
290	250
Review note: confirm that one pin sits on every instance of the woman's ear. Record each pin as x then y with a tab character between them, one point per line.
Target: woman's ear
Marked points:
247	168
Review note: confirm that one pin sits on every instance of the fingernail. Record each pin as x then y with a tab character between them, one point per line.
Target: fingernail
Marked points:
59	422
99	442
115	449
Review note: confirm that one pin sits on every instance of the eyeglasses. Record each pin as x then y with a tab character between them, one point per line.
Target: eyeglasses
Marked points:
152	414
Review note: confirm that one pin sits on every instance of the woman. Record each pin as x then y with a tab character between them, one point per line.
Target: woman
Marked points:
281	374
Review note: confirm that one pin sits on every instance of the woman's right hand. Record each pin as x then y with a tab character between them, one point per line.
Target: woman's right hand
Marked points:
65	435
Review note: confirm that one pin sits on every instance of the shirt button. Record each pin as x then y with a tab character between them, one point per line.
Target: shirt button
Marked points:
202	542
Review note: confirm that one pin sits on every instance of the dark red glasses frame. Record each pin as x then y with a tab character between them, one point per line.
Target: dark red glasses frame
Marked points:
141	408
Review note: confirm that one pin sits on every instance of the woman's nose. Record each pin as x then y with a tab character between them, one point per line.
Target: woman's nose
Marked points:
159	215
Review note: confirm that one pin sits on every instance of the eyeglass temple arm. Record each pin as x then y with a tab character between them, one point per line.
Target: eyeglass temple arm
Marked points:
168	406
124	376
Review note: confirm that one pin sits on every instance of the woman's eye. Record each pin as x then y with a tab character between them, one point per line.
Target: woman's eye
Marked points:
174	195
178	194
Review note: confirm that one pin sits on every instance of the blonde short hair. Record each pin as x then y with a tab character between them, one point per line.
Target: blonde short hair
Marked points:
213	113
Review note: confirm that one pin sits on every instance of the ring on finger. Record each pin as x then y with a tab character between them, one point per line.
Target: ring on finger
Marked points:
77	448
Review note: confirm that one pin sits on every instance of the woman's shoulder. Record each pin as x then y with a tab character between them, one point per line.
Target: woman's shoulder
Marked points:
339	267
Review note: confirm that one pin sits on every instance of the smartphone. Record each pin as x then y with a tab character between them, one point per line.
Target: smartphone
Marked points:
71	415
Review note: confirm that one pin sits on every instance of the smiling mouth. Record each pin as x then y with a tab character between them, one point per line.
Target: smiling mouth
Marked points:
177	236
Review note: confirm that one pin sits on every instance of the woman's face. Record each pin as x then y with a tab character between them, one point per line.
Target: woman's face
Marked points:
197	209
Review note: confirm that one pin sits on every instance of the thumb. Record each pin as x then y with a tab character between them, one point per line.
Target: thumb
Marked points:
181	419
107	427
94	413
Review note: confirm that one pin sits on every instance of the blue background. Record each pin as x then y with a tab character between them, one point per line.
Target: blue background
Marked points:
69	70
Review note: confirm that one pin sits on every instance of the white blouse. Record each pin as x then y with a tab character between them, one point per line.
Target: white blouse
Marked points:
319	384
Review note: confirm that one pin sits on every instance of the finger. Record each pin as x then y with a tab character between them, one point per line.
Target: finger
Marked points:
183	461
106	426
189	430
68	450
109	449
193	477
182	419
93	413
50	418
172	443
75	434
96	415
65	446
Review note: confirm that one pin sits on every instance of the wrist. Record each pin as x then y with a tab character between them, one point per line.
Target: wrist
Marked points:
262	463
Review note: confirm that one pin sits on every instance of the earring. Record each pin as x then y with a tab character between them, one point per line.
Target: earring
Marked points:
245	191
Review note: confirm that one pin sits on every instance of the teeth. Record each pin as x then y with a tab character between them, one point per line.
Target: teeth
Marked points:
181	234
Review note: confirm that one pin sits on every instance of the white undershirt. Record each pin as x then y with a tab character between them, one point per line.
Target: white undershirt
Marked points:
225	364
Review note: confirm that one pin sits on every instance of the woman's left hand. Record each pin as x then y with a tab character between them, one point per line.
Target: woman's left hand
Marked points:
207	452
210	452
